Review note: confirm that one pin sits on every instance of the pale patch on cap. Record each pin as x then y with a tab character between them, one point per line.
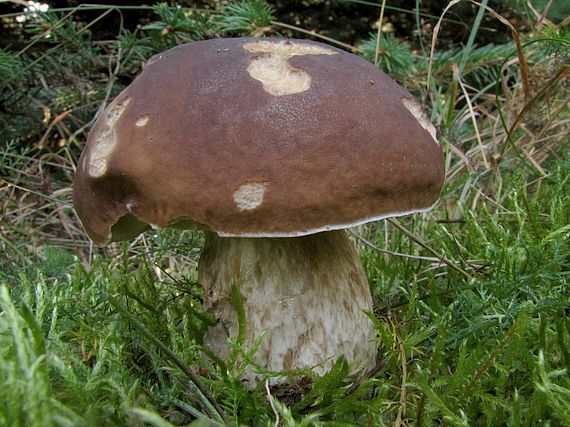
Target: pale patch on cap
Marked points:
249	196
106	141
142	121
272	67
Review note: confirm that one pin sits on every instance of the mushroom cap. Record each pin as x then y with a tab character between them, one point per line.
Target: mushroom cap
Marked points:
256	137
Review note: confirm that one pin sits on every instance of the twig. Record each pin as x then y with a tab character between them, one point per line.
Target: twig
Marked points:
270	398
317	35
388	252
427	247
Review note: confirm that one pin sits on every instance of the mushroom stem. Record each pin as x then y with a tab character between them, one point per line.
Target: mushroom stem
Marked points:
307	295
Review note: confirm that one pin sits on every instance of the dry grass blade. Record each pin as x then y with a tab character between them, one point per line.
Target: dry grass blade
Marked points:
457	77
388	252
542	17
379	34
36	193
546	88
522	61
317	35
435	34
270	398
516	37
423	244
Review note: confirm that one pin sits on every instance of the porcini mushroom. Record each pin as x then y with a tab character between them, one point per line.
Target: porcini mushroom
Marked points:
273	147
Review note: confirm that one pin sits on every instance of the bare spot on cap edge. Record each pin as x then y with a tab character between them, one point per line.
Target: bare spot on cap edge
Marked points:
106	140
414	107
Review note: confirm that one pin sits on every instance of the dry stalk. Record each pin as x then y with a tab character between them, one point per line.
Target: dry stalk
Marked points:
516	37
423	244
273	408
316	35
379	34
388	252
472	113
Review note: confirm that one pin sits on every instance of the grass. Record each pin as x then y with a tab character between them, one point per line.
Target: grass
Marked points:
471	299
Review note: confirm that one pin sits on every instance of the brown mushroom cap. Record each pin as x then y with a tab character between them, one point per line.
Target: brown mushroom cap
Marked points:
256	137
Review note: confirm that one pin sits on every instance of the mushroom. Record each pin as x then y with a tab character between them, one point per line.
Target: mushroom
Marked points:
272	147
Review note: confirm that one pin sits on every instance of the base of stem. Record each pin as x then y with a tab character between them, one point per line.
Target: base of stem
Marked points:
306	295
